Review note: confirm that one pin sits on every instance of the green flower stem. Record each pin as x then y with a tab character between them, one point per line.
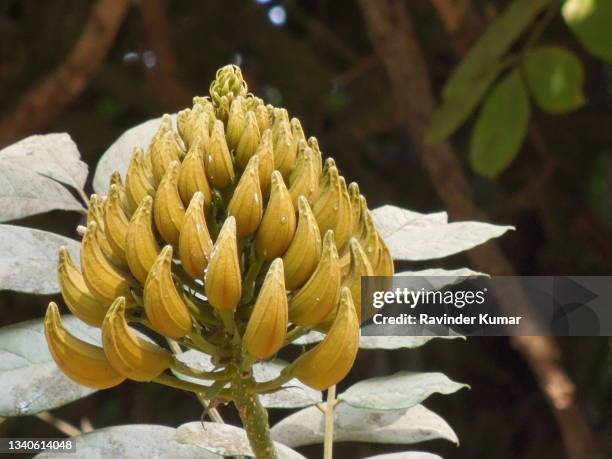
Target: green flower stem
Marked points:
254	418
203	345
295	333
176	383
255	264
330	406
274	384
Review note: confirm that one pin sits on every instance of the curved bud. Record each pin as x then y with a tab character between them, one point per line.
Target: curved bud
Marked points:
195	244
77	296
192	176
130	354
301	258
360	266
265	153
82	362
355	198
297	131
141	247
267	327
163	303
139	182
278	223
369	239
285	149
115	223
384	267
314	301
104	280
115	180
95	213
168	208
246	204
218	161
228	83
313	143
223	282
330	361
303	179
235	122
163	151
263	118
332	208
194	123
247	146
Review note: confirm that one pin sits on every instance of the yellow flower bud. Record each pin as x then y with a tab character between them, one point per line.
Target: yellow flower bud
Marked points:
246	204
267	327
297	131
169	210
228	83
192	176
223	282
163	151
235	122
115	180
332	208
193	123
278	224
141	247
313	143
217	160
301	258
330	361
304	179
249	140
115	223
263	118
285	149
265	154
314	301
195	244
139	181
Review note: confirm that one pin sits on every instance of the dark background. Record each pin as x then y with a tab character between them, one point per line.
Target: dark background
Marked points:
318	61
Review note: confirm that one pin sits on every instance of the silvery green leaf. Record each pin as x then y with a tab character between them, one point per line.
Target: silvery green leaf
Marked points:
23	192
294	395
400	390
29	257
117	156
224	439
400	426
406	455
397	342
51	155
426	237
30	380
132	441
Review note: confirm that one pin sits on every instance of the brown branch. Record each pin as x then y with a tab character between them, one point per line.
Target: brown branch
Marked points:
163	77
48	98
391	30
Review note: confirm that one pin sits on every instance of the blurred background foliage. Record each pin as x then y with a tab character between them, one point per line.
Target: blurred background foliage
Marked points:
316	58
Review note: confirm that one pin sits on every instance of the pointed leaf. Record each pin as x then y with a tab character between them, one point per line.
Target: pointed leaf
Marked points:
406	455
23	192
501	127
30	380
398	342
29	257
390	219
400	390
590	21
117	156
400	426
52	155
137	441
224	439
555	77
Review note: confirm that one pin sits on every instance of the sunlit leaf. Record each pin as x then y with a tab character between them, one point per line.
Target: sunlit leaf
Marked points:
400	426
501	127
406	455
224	439
29	257
400	390
590	20
137	441
30	380
398	342
555	77
117	156
415	237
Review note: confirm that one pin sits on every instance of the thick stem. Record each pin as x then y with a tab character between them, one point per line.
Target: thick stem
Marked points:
330	406
254	418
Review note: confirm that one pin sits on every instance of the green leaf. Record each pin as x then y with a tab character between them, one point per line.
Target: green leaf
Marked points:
399	426
501	127
400	390
591	22
30	380
480	67
137	440
555	77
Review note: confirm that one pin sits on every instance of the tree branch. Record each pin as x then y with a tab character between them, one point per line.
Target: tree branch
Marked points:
391	30
48	98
